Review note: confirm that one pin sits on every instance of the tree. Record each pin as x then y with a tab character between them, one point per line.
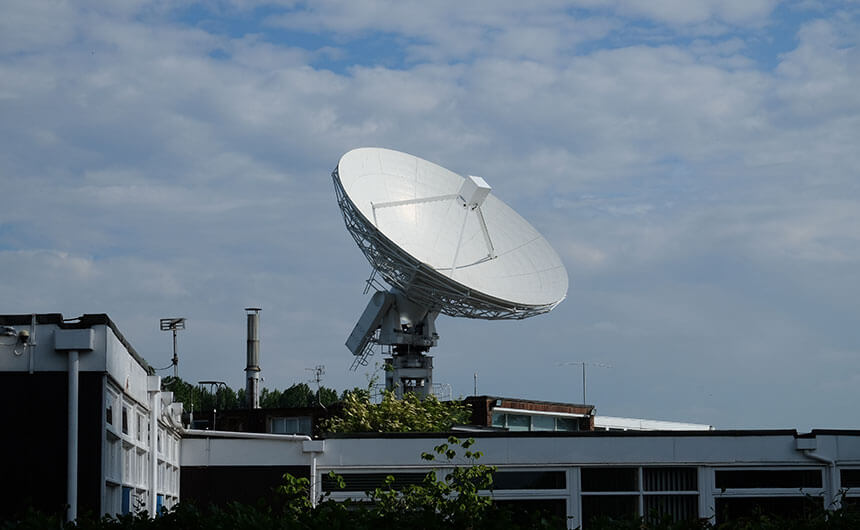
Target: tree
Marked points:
201	398
410	414
451	502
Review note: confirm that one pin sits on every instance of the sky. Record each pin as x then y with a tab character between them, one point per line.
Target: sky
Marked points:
695	163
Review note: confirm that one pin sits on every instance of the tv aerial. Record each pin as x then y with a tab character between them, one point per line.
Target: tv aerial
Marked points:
444	244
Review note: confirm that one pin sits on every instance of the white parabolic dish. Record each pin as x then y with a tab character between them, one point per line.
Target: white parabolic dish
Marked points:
411	221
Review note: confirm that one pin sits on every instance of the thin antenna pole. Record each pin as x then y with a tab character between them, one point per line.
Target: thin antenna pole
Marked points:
584	401
583	365
175	357
476	383
319	372
174	325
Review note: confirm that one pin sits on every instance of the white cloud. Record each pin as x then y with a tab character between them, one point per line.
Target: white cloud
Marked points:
703	207
698	11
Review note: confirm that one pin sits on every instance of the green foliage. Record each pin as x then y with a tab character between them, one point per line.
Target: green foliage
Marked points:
298	395
453	501
410	414
203	399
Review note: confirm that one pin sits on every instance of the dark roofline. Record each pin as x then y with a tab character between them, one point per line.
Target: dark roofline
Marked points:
83	322
526	400
586	434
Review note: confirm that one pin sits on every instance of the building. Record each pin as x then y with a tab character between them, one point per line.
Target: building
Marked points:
530	415
92	429
579	475
87	428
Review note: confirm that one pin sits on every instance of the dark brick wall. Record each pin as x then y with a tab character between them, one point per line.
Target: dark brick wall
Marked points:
34	419
203	485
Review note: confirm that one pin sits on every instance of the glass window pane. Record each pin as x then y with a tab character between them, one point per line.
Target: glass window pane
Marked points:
543	423
672	507
567	424
850	478
498	419
609	479
609	506
529	480
733	508
518	422
670	479
768	478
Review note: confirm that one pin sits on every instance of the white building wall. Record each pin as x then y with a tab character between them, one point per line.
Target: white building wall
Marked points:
125	449
700	454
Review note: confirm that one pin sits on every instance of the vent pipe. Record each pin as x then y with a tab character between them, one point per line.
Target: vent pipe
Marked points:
252	370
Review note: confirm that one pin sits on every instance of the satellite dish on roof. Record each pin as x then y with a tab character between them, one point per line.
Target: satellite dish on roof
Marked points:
445	244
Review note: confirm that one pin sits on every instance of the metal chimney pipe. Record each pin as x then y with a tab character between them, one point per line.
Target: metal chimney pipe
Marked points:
252	370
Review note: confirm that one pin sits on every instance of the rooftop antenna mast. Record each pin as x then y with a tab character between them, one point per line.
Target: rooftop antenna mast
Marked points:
319	372
174	325
584	364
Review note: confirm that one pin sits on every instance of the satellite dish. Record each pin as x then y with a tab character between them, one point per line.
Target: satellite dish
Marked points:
445	244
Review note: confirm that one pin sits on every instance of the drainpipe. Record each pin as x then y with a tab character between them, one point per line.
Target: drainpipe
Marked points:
314	447
31	345
153	387
807	446
73	341
72	457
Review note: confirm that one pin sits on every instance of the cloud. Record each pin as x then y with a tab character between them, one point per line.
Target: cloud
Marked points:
156	165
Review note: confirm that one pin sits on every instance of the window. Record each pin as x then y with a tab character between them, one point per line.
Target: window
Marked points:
127	465
614	506
670	479
113	458
126	500
368	481
609	479
617	492
543	423
526	511
291	425
111	410
112	499
731	508
675	507
534	422
850	478
529	480
124	419
567	424
768	478
518	422
783	492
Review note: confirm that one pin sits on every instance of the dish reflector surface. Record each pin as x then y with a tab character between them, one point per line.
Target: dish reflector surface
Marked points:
466	255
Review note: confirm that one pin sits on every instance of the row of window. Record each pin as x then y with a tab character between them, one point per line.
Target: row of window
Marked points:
672	492
528	422
128	460
122	416
620	480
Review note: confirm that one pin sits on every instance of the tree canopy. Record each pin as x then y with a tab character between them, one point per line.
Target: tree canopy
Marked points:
222	397
410	414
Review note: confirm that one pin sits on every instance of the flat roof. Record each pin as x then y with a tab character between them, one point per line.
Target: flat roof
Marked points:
85	321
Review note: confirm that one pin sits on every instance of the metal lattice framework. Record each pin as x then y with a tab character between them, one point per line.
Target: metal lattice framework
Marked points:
419	282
